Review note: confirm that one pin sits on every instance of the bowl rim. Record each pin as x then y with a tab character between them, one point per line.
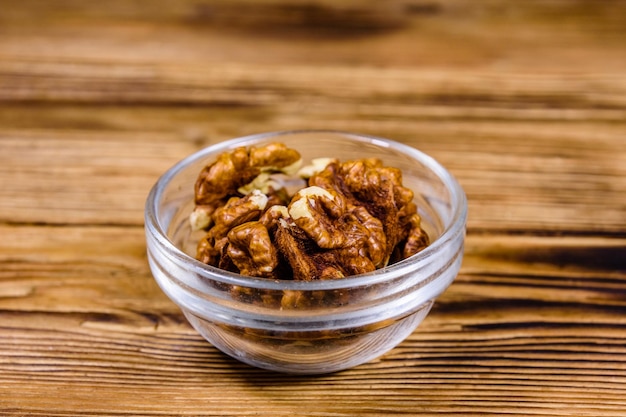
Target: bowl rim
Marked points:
456	226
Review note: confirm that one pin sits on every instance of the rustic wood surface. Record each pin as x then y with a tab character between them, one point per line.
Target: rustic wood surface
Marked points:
525	102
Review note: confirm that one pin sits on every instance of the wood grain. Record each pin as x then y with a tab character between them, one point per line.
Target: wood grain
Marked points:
523	101
550	177
99	324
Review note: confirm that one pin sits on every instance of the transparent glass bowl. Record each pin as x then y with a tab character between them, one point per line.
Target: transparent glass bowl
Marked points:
241	315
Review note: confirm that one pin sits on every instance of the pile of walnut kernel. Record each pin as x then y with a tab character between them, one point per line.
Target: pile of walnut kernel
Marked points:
347	218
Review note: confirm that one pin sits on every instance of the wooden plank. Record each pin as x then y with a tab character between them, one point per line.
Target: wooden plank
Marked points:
524	92
64	259
550	177
571	36
89	317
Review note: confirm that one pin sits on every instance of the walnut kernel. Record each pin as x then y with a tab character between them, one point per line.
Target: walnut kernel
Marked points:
347	218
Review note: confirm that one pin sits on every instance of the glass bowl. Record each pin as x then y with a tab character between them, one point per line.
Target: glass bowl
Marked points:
374	312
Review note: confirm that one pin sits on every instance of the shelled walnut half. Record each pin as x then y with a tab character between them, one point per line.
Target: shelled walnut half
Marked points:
345	218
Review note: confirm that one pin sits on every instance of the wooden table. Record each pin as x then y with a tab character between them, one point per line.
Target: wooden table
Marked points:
525	102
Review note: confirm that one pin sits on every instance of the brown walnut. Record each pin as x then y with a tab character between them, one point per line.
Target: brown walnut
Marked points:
251	250
349	218
233	170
